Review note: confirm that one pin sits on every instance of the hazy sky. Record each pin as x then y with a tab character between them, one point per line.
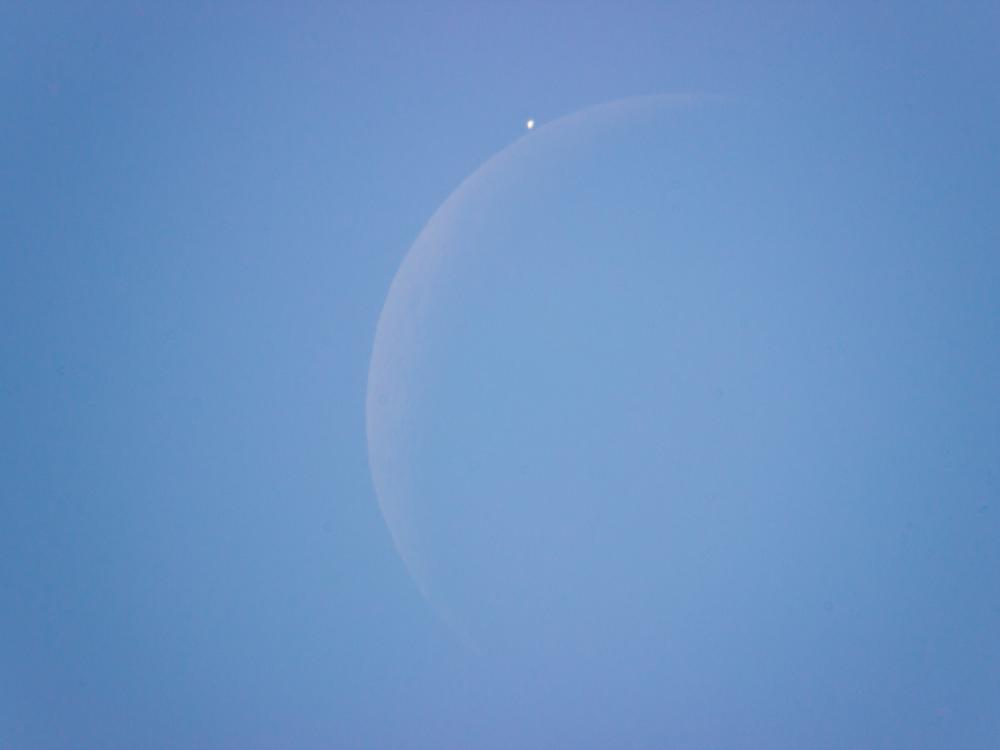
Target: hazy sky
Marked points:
202	206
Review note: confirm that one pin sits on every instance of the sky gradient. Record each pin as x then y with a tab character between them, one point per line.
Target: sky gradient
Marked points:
202	207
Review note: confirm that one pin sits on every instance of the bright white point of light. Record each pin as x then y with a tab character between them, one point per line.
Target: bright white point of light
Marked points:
529	124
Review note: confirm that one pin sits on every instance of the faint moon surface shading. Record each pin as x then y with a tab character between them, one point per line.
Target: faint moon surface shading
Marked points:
671	393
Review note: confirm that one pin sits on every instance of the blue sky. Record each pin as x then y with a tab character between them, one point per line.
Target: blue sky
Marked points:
202	207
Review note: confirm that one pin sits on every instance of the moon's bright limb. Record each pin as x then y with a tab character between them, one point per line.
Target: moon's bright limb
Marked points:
403	330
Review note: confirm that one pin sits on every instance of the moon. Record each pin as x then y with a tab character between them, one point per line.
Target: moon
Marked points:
667	394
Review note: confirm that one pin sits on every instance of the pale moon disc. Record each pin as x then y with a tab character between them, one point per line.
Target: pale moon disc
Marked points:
676	397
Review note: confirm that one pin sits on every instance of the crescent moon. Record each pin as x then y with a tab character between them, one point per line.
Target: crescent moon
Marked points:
401	332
